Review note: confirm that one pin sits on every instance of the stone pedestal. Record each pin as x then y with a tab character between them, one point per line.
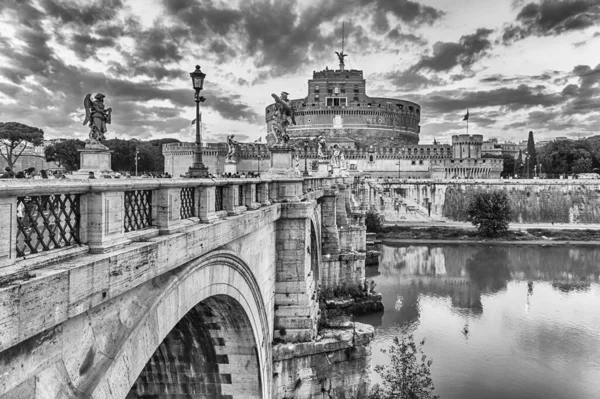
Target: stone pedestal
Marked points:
230	167
282	159
323	168
94	159
335	171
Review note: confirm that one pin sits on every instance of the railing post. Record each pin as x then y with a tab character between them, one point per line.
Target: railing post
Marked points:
8	227
250	196
231	199
105	211
263	193
206	204
168	208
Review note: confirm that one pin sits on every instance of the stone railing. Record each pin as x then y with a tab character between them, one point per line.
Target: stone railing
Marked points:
48	220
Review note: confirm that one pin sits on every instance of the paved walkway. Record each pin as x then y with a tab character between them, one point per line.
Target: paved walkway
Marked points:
513	226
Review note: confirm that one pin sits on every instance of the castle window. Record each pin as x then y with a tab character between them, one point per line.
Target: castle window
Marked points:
336	102
421	162
343	91
413	162
336	90
329	91
411	109
370	158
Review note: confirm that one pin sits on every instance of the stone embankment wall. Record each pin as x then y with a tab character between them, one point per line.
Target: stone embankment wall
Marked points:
533	201
337	366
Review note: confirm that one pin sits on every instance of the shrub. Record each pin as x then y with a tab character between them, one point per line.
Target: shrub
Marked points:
408	374
373	221
490	213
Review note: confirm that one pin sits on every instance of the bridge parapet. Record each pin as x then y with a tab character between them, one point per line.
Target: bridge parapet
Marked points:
42	218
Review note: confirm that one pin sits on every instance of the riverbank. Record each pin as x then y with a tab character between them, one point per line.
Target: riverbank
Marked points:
462	233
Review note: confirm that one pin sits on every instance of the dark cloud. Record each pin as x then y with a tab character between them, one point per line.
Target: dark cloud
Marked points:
409	80
587	94
81	13
509	99
553	17
407	11
282	37
398	36
447	55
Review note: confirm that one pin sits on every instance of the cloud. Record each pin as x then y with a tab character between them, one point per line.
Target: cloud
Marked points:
586	96
409	80
509	99
553	17
447	55
398	36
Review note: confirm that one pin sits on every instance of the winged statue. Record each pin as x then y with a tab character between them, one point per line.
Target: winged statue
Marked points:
283	116
96	117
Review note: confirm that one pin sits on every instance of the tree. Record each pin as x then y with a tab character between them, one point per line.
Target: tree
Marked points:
490	212
408	375
373	221
15	136
65	153
560	157
519	164
531	151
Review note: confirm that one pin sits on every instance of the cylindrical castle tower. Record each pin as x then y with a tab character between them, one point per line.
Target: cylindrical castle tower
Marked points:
337	106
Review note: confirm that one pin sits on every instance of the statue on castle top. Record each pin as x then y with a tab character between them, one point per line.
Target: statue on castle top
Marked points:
341	57
98	117
283	116
231	144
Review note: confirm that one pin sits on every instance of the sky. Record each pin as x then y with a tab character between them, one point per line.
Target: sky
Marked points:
515	65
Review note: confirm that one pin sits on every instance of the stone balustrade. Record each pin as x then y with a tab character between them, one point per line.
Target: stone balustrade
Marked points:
45	220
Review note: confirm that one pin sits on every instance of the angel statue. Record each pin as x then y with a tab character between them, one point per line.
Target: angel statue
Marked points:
97	117
321	146
231	143
341	57
336	156
283	116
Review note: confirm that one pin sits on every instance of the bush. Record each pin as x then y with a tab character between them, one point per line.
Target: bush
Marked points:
408	375
490	213
373	221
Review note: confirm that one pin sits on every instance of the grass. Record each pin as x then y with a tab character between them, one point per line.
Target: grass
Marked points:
457	233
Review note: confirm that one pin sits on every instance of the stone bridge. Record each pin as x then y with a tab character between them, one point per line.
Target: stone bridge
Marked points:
171	288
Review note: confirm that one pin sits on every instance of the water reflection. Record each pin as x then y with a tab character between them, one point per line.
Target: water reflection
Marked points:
500	321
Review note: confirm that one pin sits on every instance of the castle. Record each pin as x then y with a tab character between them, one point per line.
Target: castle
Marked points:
378	136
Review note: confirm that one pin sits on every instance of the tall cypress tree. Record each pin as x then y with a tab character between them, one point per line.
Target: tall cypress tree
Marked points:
531	151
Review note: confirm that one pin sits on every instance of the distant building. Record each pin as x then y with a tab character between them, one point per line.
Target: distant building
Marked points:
378	136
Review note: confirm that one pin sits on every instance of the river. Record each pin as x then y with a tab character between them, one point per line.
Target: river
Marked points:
514	321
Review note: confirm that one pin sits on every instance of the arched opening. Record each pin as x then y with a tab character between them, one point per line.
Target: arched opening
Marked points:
210	353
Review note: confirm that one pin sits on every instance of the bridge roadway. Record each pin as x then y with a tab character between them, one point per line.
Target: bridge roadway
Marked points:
125	288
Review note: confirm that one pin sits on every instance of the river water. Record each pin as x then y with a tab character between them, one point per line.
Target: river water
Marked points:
516	321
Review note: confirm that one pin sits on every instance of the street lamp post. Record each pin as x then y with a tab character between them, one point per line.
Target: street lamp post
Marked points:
198	169
305	158
137	153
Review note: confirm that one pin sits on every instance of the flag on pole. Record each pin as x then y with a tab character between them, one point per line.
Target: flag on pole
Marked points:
259	140
194	121
466	118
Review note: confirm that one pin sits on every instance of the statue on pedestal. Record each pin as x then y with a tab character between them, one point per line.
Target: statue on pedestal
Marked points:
336	156
98	117
321	146
283	116
231	144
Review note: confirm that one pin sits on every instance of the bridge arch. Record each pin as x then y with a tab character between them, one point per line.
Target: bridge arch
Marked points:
217	297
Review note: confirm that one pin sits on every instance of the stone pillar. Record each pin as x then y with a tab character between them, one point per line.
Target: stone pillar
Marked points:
250	196
8	229
105	212
206	204
231	199
296	306
263	193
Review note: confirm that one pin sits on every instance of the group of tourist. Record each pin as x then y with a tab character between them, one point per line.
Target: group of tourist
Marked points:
31	173
236	175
